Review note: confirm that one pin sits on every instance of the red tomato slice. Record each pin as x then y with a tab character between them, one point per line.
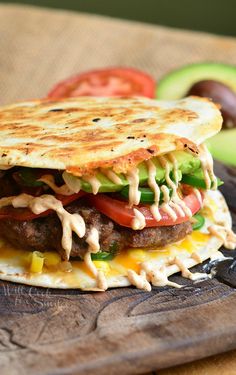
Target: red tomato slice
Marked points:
23	214
106	82
123	215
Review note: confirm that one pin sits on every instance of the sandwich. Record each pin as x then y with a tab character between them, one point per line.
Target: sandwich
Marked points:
109	192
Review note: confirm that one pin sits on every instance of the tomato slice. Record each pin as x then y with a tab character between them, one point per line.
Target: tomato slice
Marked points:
23	214
123	215
106	82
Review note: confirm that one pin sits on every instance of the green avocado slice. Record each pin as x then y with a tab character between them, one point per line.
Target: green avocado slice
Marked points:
176	84
196	179
187	163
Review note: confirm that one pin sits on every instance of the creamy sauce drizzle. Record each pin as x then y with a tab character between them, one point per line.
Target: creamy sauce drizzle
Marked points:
165	164
225	234
98	274
155	188
93	240
139	280
173	160
198	196
112	176
6	201
183	205
94	182
70	222
158	275
102	281
166	207
185	271
89	263
183	209
49	180
138	221
134	193
172	205
217	255
72	182
207	167
196	257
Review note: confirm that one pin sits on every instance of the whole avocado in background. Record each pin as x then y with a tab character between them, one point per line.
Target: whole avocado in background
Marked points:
213	80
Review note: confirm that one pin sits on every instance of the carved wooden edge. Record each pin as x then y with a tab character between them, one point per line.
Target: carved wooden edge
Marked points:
134	343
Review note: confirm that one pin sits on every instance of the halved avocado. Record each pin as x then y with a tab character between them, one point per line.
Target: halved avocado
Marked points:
176	84
222	146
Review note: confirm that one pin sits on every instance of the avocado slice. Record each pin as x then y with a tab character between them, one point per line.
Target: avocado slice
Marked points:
107	186
187	163
176	84
197	179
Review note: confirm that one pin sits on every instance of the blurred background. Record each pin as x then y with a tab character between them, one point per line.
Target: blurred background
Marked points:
215	16
40	46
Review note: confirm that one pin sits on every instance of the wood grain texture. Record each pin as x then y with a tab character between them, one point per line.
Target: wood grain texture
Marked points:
123	330
221	364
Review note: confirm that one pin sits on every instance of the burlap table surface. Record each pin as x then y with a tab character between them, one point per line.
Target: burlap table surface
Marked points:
39	46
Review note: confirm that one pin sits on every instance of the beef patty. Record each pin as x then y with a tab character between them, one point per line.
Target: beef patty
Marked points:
44	234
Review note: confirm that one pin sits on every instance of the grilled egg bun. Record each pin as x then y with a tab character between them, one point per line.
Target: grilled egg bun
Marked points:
108	192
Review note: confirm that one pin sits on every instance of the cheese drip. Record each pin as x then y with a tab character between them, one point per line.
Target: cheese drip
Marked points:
49	180
70	222
207	167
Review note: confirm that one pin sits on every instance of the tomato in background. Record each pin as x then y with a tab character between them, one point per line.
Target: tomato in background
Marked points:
106	82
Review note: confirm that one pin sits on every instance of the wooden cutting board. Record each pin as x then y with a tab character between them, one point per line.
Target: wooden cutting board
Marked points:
122	331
